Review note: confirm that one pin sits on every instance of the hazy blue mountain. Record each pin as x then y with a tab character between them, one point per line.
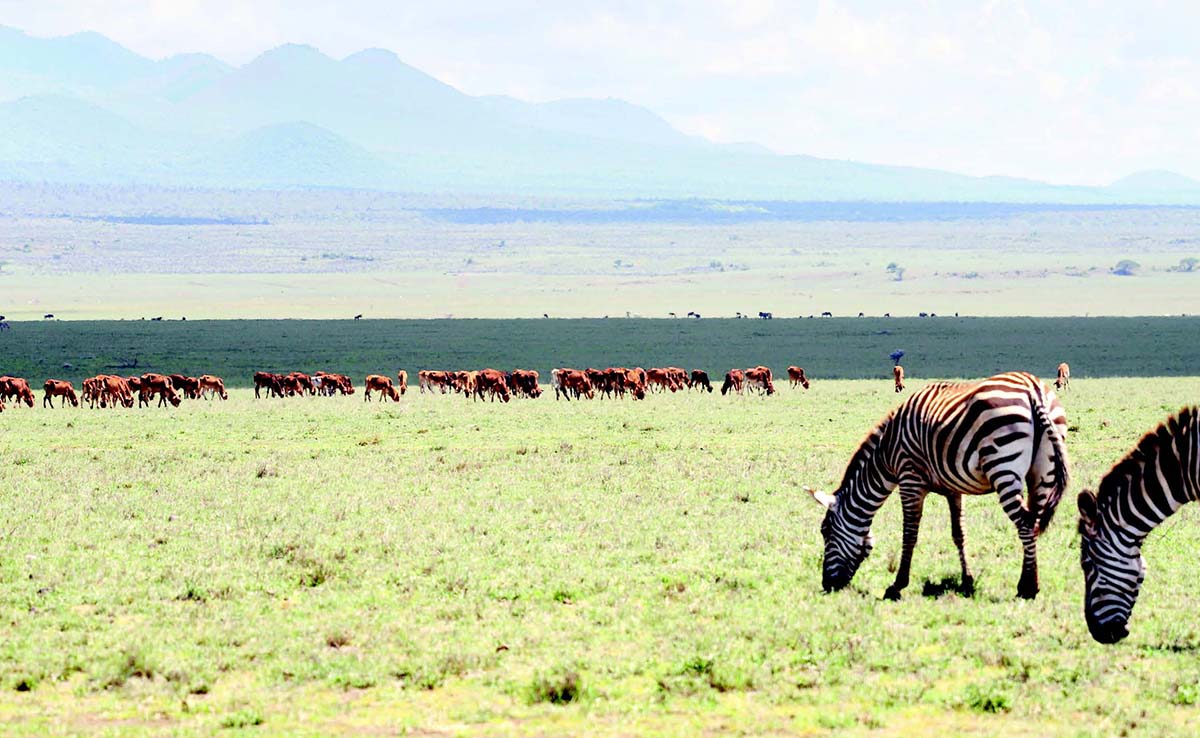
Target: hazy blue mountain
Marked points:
84	109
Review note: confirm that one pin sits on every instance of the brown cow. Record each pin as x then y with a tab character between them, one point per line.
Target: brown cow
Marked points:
382	385
16	388
576	383
59	388
525	382
493	382
329	384
157	384
761	379
635	383
269	381
699	379
211	386
115	390
90	391
735	379
599	380
898	377
796	376
402	381
1064	376
189	386
298	383
662	379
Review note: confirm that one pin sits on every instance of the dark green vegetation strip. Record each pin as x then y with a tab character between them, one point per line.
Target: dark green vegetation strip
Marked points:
826	348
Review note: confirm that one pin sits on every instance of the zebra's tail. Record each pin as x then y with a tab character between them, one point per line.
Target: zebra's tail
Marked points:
1041	417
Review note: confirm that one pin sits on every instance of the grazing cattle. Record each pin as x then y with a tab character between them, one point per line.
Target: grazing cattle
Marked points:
189	386
826	314
330	384
598	378
574	382
997	435
271	382
16	388
761	379
212	386
464	382
1064	376
298	383
116	390
898	377
59	388
796	376
443	381
765	316
661	379
735	379
382	385
525	382
493	382
634	382
90	391
700	379
402	381
160	385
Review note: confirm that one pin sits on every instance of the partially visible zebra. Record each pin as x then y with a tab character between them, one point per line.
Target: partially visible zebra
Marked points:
952	439
1156	478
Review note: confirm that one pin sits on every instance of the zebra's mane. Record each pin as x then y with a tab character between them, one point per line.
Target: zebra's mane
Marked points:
1146	449
866	451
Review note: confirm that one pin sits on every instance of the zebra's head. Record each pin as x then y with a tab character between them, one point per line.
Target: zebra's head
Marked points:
1112	574
845	547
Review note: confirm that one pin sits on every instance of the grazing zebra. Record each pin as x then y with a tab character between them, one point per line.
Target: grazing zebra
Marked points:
1156	478
952	439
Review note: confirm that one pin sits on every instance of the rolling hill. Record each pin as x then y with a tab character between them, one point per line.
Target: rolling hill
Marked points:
84	109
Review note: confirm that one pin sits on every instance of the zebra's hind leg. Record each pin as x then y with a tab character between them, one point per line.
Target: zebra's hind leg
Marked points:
913	502
966	581
1008	488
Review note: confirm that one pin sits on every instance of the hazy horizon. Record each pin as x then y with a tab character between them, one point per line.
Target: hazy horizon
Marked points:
1000	88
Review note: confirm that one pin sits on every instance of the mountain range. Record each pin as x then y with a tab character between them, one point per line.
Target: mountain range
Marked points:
84	109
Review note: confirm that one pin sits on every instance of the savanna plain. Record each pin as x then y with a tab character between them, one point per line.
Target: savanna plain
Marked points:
324	566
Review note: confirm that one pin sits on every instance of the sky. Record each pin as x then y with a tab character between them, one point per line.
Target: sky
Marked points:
1079	92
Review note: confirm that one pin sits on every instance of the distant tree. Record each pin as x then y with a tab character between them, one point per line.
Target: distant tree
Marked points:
1188	264
896	356
1126	268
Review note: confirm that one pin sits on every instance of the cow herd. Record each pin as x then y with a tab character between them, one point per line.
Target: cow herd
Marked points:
111	390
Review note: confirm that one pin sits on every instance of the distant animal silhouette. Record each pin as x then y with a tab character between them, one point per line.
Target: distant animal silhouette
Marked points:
358	317
765	316
158	319
862	315
826	314
48	316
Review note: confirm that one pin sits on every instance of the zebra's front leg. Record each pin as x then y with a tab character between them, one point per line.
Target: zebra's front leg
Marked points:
966	581
1009	491
913	502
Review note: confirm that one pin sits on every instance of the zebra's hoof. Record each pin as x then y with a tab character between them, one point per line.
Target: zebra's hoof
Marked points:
1027	592
967	587
892	594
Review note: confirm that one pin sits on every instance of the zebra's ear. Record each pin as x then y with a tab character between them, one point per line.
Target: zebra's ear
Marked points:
824	499
1088	512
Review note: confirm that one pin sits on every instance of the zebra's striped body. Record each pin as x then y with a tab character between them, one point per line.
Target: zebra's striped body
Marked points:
952	439
1156	478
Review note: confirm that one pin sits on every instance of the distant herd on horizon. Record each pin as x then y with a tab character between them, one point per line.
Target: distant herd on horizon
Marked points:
1004	434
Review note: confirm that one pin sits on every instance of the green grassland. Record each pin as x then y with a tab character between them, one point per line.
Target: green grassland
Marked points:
846	348
320	566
